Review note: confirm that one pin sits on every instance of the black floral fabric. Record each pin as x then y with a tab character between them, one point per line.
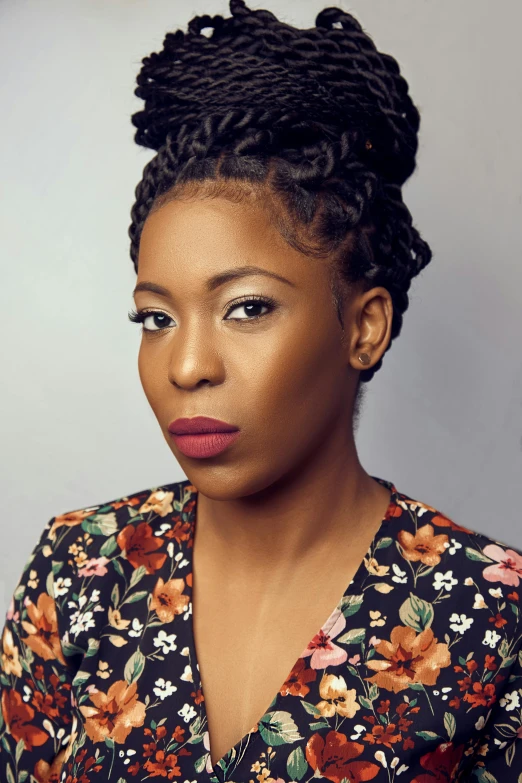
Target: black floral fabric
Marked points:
415	676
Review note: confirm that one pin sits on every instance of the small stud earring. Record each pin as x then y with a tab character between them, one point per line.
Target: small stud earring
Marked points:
364	358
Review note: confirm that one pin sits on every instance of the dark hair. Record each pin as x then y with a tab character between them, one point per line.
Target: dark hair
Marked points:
316	124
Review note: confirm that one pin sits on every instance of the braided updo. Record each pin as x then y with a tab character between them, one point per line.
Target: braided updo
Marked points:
315	124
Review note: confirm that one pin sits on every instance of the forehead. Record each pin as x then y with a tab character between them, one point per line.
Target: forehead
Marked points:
198	238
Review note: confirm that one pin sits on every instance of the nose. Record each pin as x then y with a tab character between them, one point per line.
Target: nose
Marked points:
194	359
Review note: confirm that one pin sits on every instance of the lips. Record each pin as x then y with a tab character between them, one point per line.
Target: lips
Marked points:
199	425
202	436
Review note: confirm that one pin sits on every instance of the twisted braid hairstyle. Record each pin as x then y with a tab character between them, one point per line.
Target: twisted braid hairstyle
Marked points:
315	125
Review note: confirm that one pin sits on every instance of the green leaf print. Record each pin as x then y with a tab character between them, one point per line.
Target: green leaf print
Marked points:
134	667
278	728
137	574
101	524
416	613
384	543
427	735
353	636
109	546
350	604
296	764
136	597
474	554
450	724
311	708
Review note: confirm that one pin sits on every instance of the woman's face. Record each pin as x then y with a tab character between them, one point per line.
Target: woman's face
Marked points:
279	369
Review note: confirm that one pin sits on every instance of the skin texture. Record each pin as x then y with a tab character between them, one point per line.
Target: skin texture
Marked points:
290	491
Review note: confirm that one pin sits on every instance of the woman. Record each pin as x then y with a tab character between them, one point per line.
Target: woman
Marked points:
341	629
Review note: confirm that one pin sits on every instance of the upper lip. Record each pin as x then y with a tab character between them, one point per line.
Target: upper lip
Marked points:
199	424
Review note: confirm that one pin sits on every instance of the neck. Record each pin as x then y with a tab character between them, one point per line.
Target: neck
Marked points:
325	503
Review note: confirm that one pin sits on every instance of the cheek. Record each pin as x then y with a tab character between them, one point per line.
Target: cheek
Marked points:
298	379
149	372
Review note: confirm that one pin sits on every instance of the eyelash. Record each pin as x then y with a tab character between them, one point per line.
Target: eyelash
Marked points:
141	315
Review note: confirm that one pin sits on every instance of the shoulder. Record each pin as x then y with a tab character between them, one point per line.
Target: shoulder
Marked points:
480	576
427	533
111	518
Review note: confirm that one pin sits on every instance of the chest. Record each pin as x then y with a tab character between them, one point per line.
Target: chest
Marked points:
247	645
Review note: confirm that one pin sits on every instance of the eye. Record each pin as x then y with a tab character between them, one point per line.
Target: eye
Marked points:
251	306
143	316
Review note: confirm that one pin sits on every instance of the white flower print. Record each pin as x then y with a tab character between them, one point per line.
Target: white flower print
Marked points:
460	623
187	674
468	581
452	546
187	712
491	639
164	688
358	729
479	602
61	586
399	575
510	701
81	622
165	641
137	628
188	611
170	549
95	596
496	592
444	580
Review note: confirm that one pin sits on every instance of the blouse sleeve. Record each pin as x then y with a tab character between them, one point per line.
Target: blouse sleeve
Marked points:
35	682
498	756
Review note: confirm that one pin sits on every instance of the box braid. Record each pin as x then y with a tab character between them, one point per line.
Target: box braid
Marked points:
317	123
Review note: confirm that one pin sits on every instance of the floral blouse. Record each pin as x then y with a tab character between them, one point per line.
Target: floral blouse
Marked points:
416	674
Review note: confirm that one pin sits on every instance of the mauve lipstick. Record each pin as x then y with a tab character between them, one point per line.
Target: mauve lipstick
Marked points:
202	436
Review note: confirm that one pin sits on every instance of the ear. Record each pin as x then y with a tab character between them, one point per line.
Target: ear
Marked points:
370	318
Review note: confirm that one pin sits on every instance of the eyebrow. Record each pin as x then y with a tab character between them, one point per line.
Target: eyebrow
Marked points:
217	280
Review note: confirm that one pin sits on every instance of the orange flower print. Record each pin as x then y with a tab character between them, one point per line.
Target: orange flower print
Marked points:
423	546
332	756
114	713
71	519
296	684
167	599
17	717
384	735
160	502
337	698
43	636
49	773
163	765
140	545
409	658
10	656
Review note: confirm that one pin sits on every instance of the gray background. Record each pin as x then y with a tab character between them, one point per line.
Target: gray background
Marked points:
443	417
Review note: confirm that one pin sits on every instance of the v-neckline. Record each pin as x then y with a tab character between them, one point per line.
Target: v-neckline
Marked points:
325	628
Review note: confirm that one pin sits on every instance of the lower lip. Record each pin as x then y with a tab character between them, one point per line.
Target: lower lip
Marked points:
207	444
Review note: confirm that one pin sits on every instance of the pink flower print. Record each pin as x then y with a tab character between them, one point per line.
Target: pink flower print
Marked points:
507	569
94	567
11	614
321	649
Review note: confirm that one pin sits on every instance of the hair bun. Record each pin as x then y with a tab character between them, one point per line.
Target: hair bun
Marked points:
331	73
